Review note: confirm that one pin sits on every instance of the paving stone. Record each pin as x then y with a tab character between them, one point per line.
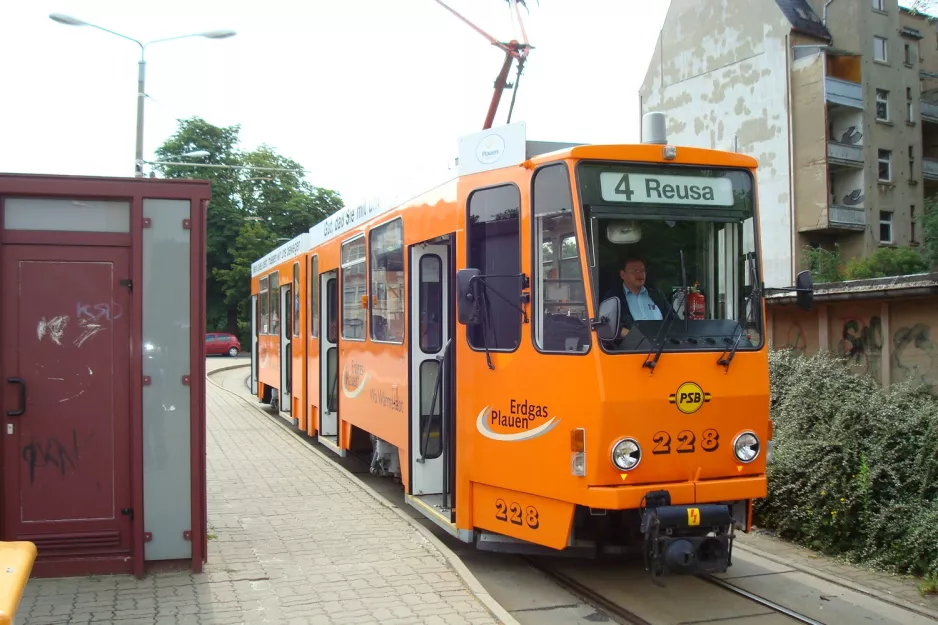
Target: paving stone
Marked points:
294	541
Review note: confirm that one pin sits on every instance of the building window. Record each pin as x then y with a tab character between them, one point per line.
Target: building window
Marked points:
386	303
885	226
879	50
908	55
882	105
911	162
495	249
560	323
912	222
354	289
879	5
885	166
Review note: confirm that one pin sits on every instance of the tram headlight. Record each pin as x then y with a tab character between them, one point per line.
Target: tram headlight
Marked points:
746	447
626	454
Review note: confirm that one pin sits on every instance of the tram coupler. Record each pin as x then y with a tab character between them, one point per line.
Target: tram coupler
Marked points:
685	539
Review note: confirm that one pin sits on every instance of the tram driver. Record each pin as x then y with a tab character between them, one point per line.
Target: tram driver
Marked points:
636	301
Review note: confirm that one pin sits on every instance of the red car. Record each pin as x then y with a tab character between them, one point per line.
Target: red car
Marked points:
218	343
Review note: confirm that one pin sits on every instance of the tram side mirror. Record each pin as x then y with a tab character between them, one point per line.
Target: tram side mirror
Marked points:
467	296
805	285
607	322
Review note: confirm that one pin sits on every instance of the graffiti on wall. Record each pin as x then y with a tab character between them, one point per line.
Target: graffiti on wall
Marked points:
861	344
913	354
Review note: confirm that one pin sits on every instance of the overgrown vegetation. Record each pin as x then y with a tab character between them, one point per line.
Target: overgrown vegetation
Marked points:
856	465
827	265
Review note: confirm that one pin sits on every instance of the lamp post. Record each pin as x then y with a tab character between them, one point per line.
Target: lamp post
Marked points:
141	72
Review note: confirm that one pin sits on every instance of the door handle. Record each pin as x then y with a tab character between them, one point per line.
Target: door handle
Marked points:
16	413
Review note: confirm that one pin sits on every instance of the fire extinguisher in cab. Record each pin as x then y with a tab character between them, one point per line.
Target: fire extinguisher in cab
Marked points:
695	302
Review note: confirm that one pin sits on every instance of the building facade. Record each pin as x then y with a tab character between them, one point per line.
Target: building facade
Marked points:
832	98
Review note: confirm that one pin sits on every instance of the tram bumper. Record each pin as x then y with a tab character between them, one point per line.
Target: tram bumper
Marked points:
685	539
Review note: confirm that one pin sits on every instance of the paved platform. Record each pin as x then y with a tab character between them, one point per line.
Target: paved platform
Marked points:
293	538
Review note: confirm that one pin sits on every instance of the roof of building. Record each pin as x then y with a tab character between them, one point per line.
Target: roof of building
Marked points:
912	285
803	19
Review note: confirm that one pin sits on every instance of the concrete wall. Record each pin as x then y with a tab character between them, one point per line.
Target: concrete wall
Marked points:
719	72
853	25
891	340
809	141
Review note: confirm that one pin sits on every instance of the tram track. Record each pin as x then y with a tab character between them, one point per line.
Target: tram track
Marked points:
587	594
614	608
725	585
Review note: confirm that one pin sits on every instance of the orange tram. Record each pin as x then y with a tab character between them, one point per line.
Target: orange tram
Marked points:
476	342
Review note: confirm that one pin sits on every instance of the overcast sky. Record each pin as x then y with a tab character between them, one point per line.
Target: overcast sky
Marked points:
370	95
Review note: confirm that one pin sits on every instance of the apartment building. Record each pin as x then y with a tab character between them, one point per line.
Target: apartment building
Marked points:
826	94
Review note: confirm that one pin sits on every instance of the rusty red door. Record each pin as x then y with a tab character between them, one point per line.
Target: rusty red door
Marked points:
66	402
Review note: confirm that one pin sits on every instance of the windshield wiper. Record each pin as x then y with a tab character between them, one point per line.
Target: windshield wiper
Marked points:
486	308
668	320
725	361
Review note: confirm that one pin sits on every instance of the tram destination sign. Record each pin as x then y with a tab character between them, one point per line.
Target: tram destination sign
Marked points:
634	188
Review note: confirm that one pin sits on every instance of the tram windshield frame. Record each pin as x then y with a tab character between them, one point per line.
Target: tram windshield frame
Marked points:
692	226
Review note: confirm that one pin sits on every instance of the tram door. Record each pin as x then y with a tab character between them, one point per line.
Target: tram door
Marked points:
286	349
329	357
254	344
429	396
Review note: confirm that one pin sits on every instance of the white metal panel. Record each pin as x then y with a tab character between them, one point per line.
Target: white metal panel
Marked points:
328	421
254	345
427	476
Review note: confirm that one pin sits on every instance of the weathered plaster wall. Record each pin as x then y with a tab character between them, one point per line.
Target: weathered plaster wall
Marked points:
719	73
809	140
891	341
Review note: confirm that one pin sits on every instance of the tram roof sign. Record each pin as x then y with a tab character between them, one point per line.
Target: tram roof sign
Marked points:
294	247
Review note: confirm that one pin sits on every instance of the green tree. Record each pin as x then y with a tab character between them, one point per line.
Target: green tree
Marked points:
250	212
930	228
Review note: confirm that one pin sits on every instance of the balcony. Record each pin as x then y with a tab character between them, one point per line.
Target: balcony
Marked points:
844	154
929	111
843	92
842	217
930	169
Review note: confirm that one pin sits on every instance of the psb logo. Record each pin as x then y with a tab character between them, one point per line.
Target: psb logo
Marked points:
689	397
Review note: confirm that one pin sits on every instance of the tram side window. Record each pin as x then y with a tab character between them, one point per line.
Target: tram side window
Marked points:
275	303
495	249
262	298
386	303
296	299
354	288
560	323
314	296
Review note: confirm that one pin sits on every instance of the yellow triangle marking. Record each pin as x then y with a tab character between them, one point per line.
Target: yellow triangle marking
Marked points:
739	468
623	476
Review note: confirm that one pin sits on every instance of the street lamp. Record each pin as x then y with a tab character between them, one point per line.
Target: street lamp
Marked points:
211	34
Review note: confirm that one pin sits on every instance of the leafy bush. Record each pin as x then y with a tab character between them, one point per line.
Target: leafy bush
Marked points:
823	264
828	266
856	465
887	261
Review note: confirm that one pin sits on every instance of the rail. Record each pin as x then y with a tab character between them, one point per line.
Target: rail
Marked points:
616	610
16	564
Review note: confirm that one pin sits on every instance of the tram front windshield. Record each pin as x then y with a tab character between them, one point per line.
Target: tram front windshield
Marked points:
689	232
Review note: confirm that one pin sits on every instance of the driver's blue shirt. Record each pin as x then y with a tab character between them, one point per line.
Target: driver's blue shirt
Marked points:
641	306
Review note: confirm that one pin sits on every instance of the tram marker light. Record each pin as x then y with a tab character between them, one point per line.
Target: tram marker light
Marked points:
578	455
